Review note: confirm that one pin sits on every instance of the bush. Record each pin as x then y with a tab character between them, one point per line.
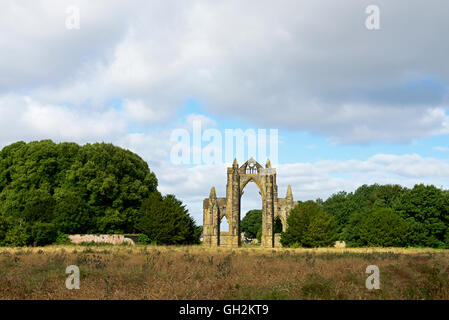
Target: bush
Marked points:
259	236
165	220
143	239
17	236
309	226
62	238
43	233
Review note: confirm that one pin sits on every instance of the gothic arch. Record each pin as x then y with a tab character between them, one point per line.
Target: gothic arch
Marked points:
256	182
281	218
272	207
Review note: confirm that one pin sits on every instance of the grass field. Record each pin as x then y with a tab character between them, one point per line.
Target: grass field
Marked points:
195	272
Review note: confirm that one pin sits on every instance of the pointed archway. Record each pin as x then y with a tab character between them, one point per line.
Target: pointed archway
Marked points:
251	203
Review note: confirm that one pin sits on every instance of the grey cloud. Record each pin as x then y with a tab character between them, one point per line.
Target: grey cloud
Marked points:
255	60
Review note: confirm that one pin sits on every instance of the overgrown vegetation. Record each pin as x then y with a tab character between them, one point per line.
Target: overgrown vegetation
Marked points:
49	189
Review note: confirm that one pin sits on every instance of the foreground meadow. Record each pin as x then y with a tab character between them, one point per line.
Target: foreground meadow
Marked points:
195	272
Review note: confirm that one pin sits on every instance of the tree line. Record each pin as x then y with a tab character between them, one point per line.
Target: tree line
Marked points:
48	190
374	215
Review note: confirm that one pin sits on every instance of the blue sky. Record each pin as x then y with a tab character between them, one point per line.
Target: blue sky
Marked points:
352	106
309	147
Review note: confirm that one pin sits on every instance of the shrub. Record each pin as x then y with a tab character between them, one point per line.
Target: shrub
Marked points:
310	226
62	238
259	236
165	220
43	233
17	236
143	239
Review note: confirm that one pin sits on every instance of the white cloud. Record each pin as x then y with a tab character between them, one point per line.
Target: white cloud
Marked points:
23	118
138	111
27	119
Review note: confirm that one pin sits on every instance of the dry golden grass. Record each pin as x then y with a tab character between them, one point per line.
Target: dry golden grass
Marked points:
196	272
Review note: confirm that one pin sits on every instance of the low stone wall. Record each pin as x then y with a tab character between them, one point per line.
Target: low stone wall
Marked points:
227	240
102	238
340	244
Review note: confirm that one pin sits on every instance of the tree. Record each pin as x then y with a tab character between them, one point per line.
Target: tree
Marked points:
165	220
380	228
48	188
343	205
309	226
340	206
426	208
251	223
198	233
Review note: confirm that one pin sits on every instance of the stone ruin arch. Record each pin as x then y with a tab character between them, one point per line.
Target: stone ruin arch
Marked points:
214	209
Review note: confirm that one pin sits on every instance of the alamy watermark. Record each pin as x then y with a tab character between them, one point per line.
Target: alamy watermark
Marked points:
372	22
211	147
73	280
373	281
72	21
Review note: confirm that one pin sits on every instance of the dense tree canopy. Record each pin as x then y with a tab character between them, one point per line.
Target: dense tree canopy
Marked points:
342	206
426	208
421	213
48	188
308	225
379	228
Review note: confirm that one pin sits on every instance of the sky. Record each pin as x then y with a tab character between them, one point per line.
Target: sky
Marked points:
351	105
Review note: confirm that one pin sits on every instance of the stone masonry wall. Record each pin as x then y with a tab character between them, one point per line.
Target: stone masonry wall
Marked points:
102	238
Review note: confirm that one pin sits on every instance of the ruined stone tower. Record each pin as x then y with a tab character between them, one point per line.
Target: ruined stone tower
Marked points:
214	209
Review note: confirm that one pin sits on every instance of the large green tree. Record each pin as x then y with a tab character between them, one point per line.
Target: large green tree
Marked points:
251	223
345	206
381	227
309	226
426	208
165	220
47	188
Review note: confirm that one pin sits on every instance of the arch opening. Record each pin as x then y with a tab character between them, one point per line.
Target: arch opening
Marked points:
278	225
224	225
250	214
224	230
